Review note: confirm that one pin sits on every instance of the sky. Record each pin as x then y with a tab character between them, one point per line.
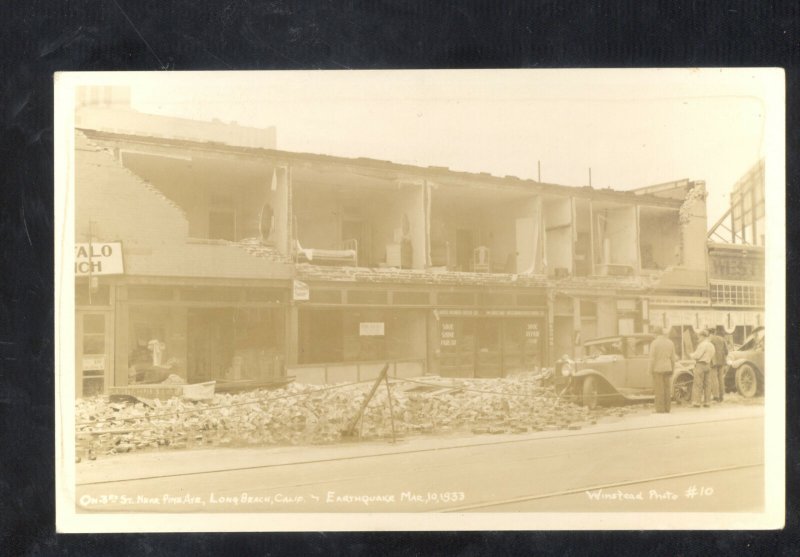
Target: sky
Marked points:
633	128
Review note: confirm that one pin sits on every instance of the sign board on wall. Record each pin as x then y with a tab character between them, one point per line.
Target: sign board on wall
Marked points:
98	259
448	334
370	329
300	291
743	266
94	362
488	313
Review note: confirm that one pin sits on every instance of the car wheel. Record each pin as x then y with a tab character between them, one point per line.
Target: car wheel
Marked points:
682	389
746	381
589	392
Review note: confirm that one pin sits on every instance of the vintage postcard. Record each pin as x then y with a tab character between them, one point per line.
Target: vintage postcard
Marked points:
420	300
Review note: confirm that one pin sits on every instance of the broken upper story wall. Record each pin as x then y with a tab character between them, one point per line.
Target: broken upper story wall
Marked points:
443	215
384	213
559	231
114	204
105	108
615	238
690	269
479	227
659	238
223	196
694	224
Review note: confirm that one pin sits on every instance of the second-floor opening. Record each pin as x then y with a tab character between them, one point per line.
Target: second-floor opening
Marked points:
347	218
223	198
485	230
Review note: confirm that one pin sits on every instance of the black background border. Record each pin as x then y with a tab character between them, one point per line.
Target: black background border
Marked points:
42	37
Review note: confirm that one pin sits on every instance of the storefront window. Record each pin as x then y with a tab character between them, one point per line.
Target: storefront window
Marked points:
488	346
203	344
258	344
333	335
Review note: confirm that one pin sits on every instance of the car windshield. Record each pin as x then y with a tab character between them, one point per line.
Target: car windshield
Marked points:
605	348
638	346
754	342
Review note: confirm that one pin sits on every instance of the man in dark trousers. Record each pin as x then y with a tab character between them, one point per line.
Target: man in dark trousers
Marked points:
662	365
703	356
718	364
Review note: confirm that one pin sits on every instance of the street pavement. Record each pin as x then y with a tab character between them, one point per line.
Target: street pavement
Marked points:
693	460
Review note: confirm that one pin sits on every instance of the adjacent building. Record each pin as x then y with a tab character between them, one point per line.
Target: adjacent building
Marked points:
202	247
736	271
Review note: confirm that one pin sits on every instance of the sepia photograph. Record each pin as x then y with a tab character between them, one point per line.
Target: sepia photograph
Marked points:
420	300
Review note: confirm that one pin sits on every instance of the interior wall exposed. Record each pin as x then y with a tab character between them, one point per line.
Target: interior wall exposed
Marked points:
659	238
583	238
208	189
326	216
459	226
557	215
318	217
615	235
412	204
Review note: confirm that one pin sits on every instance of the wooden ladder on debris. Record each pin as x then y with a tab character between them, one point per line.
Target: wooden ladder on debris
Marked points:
382	376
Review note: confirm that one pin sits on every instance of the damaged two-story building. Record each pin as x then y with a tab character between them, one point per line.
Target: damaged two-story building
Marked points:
245	264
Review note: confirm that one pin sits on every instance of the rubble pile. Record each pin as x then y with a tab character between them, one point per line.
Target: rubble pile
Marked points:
308	414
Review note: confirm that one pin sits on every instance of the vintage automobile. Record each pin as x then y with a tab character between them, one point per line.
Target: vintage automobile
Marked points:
616	369
746	366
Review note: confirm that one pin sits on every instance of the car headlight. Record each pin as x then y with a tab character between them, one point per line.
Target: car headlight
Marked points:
567	368
728	360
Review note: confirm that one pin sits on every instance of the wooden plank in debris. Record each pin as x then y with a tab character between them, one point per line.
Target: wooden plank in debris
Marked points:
161	392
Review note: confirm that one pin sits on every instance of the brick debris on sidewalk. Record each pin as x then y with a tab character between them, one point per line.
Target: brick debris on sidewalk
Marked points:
301	414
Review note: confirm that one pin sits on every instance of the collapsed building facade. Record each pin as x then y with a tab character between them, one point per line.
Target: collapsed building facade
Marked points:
202	246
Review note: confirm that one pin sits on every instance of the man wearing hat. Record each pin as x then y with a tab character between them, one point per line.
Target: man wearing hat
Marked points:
703	357
662	365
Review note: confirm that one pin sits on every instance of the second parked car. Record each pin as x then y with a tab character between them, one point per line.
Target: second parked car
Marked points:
746	366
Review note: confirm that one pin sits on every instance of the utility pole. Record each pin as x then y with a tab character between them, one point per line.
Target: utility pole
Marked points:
539	171
590	176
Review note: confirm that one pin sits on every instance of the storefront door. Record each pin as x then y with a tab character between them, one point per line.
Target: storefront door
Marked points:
457	347
93	349
489	346
488	361
521	345
211	344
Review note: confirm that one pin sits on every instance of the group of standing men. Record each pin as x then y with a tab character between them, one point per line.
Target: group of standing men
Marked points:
709	370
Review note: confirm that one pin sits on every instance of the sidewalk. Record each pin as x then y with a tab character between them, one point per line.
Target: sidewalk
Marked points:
175	462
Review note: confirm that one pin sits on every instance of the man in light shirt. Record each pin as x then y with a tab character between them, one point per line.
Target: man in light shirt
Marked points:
718	364
703	357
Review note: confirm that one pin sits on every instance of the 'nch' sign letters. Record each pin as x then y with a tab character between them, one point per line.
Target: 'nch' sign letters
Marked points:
98	259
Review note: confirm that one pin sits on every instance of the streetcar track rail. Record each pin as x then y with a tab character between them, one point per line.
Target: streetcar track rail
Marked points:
561	435
579	490
555	494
